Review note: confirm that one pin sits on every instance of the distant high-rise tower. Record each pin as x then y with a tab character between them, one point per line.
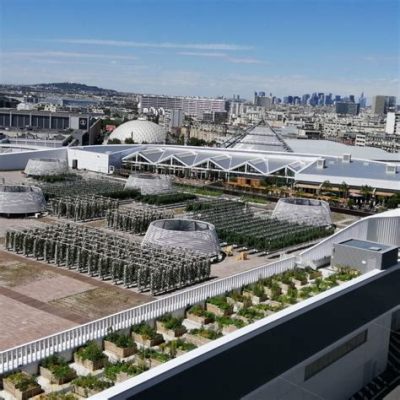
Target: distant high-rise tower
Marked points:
362	101
383	104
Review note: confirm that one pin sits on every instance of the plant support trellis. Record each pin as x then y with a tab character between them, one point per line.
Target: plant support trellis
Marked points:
236	223
107	256
83	207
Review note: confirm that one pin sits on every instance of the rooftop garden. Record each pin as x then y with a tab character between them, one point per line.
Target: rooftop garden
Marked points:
201	324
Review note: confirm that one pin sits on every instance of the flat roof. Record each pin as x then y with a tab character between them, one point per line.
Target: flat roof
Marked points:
330	148
367	245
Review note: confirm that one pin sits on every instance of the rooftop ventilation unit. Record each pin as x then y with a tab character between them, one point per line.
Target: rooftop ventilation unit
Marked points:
391	169
346	158
321	163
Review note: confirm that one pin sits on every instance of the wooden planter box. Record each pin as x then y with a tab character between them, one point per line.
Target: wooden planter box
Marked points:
197	340
238	305
85	392
198	319
284	286
254	299
89	364
273	303
18	394
147	342
46	373
170	332
120	352
229	329
298	283
217	311
123	376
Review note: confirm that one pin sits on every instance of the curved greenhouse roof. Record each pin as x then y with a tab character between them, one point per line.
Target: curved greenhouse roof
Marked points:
140	132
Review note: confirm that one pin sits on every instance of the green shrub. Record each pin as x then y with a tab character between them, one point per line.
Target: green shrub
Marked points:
120	340
91	382
201	312
91	351
57	396
206	333
251	313
171	322
112	370
225	321
23	381
220	302
156	355
146	331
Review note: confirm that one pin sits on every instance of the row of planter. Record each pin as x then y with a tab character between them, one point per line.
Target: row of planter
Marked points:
147	346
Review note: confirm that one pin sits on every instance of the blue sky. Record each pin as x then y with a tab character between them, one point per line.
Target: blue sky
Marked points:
204	47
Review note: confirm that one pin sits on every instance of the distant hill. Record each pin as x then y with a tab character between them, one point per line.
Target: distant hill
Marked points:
69	87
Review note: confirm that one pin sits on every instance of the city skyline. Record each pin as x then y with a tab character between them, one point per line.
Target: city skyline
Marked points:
216	49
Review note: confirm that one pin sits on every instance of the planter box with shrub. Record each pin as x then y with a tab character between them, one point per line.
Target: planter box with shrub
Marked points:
202	336
56	370
121	371
21	385
86	386
146	336
120	345
170	326
219	306
200	315
90	356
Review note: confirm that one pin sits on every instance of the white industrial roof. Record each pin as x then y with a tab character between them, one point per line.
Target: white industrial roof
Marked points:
329	148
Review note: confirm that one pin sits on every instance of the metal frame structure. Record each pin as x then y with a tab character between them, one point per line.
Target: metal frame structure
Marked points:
18	200
191	235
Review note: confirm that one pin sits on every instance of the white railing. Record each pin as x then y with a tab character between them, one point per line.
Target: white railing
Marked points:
72	338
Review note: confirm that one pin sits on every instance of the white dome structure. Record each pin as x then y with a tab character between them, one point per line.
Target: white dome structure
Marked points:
46	167
21	200
184	233
303	211
149	184
139	131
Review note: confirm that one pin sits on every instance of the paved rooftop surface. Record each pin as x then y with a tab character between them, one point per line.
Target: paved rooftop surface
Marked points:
37	299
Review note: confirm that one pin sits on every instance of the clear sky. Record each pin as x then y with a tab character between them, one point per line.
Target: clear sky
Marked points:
204	47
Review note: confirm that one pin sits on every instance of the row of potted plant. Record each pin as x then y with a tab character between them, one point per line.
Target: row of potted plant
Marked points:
169	338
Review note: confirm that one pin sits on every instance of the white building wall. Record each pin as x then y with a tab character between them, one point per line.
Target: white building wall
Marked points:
392	123
353	371
90	160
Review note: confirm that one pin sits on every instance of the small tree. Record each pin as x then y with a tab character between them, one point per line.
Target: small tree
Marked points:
344	189
366	191
326	186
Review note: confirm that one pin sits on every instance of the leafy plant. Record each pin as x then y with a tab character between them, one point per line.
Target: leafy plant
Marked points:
23	381
201	312
112	370
156	355
145	330
91	351
206	333
57	396
225	321
120	340
91	382
251	313
220	302
171	322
